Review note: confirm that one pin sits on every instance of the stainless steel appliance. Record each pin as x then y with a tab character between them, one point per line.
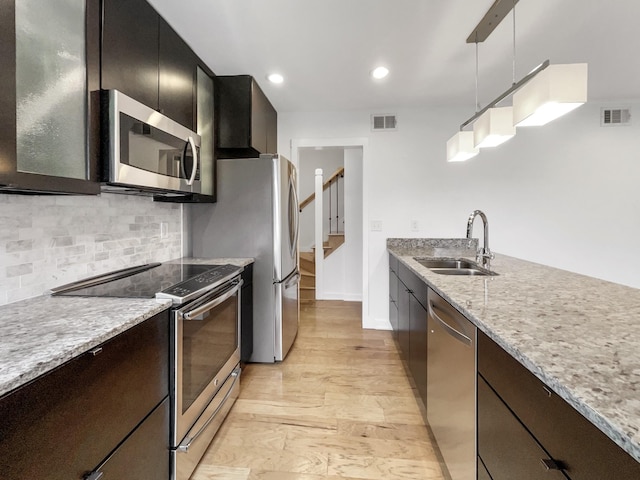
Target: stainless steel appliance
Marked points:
257	216
451	386
145	150
205	344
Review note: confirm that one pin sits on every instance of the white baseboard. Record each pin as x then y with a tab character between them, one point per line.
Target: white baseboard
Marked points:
377	324
341	296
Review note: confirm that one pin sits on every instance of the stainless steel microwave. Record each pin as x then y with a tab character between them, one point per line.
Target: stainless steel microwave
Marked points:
146	151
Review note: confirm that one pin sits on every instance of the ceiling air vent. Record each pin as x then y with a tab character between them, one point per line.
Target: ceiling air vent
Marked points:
615	116
384	122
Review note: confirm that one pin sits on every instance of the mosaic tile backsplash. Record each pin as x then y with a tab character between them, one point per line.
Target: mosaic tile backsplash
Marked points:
47	241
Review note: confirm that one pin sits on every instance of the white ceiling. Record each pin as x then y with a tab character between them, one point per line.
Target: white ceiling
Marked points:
326	48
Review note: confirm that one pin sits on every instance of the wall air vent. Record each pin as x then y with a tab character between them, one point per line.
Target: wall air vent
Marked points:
610	117
384	122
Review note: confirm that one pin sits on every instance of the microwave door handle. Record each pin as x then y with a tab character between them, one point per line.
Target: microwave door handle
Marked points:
194	170
190	315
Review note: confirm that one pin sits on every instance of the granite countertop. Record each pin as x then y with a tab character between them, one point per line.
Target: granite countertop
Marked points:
42	333
578	334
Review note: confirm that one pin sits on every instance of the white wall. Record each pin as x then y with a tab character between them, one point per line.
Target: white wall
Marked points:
564	195
342	272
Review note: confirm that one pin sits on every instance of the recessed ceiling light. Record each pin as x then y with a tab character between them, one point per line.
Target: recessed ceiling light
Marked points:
380	72
276	78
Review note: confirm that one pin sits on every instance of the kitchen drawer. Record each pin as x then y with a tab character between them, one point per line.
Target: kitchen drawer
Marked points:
64	423
504	444
393	286
144	455
393	264
584	451
417	286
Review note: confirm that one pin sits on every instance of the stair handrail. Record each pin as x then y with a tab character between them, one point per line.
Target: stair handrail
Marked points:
337	174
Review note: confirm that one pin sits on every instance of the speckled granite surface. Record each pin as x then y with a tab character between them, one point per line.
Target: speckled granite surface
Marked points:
42	333
579	335
240	262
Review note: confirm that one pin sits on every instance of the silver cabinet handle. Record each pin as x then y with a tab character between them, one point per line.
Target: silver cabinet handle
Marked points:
184	446
94	476
550	464
194	170
212	304
95	351
448	328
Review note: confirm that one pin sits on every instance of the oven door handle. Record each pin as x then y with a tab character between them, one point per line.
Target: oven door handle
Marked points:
186	444
190	315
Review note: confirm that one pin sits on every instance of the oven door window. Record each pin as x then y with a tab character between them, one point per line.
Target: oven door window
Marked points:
207	343
148	148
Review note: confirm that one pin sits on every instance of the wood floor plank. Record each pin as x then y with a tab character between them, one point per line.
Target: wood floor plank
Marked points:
340	407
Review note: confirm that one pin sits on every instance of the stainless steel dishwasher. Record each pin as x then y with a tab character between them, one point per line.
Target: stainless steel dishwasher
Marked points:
451	386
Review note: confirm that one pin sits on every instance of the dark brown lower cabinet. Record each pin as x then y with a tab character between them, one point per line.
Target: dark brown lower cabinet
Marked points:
412	326
508	450
246	313
482	471
139	456
582	450
67	422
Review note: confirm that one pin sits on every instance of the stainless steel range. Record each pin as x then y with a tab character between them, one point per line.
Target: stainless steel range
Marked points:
205	344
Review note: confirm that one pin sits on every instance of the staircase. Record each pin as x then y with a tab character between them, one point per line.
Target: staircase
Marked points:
308	266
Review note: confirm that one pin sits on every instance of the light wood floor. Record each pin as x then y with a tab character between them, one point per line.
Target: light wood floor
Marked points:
339	407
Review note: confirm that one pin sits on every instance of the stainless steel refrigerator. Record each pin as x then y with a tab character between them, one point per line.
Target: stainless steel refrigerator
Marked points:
256	215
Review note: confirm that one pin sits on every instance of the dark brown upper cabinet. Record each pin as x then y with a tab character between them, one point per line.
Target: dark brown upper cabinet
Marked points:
143	57
50	64
130	31
177	66
248	123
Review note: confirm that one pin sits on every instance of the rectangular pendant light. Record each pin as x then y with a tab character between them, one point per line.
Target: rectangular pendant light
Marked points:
493	127
556	90
460	147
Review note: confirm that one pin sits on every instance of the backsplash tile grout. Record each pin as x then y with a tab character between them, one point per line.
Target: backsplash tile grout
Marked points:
46	241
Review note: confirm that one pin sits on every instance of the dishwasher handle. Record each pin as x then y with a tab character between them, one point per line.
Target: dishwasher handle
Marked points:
448	328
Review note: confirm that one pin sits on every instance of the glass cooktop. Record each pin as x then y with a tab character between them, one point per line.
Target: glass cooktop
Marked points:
172	281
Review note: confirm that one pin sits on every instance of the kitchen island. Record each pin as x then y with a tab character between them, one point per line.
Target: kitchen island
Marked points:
577	334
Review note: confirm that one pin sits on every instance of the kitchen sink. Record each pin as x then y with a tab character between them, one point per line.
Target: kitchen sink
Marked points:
454	266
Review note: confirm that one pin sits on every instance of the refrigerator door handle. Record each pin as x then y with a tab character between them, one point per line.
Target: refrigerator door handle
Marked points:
293	279
294	223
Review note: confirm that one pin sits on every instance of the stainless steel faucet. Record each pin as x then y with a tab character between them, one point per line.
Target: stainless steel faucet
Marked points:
483	254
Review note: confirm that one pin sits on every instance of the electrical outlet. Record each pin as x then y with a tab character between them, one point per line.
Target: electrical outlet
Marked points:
415	226
376	225
164	230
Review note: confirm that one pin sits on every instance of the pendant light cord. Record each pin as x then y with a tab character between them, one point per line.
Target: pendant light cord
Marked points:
514	42
477	101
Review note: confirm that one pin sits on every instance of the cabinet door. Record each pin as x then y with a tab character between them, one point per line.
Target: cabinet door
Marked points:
393	302
248	121
130	49
205	127
418	347
482	471
45	96
177	77
506	447
404	321
246	315
63	424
